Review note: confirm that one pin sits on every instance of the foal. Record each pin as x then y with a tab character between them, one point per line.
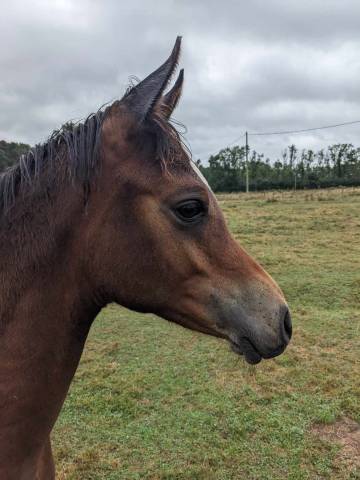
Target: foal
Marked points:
113	210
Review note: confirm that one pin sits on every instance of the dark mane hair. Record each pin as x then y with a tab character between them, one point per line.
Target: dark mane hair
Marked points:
79	142
79	146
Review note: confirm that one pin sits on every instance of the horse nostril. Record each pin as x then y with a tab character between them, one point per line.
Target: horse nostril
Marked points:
287	328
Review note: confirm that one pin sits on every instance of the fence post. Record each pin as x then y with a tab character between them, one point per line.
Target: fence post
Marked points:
247	161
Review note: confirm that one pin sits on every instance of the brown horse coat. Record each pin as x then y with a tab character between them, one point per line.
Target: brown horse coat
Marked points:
113	210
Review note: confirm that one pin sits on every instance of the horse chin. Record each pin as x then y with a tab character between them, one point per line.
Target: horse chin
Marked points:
246	348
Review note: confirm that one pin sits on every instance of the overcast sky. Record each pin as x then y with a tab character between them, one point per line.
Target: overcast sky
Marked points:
257	66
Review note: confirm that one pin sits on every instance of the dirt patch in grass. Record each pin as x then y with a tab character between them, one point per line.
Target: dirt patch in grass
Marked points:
346	433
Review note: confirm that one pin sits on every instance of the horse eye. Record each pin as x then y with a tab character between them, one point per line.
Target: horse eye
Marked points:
190	210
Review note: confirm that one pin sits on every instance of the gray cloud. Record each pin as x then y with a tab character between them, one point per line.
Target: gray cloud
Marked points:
256	66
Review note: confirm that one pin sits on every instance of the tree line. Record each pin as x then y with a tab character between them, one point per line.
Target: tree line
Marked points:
10	153
339	164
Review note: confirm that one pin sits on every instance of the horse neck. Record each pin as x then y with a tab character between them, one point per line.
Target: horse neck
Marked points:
46	309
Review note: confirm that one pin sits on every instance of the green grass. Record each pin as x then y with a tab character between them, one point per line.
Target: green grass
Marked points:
152	400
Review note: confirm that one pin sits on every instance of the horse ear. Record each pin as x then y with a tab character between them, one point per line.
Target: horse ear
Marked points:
171	99
142	98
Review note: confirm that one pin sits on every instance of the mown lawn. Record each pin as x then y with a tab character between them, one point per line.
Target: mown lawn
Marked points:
152	400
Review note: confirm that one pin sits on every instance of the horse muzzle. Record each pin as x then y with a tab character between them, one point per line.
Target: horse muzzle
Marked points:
258	344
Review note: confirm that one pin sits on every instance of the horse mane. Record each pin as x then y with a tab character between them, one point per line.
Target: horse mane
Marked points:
81	142
78	146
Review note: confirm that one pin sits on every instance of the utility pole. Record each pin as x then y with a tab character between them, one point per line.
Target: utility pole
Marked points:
247	161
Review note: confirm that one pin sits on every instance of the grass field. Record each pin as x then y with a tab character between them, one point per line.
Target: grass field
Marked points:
152	400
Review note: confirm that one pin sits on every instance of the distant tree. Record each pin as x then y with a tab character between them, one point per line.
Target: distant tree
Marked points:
227	169
339	164
10	153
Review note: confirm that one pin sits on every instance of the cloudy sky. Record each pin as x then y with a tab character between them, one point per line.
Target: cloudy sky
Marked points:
259	66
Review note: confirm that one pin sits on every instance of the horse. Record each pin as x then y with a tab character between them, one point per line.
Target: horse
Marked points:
113	209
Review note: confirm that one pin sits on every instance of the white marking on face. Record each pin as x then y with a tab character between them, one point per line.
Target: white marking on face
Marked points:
199	174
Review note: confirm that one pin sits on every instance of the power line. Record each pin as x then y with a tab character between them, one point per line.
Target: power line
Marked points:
230	144
237	139
286	132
